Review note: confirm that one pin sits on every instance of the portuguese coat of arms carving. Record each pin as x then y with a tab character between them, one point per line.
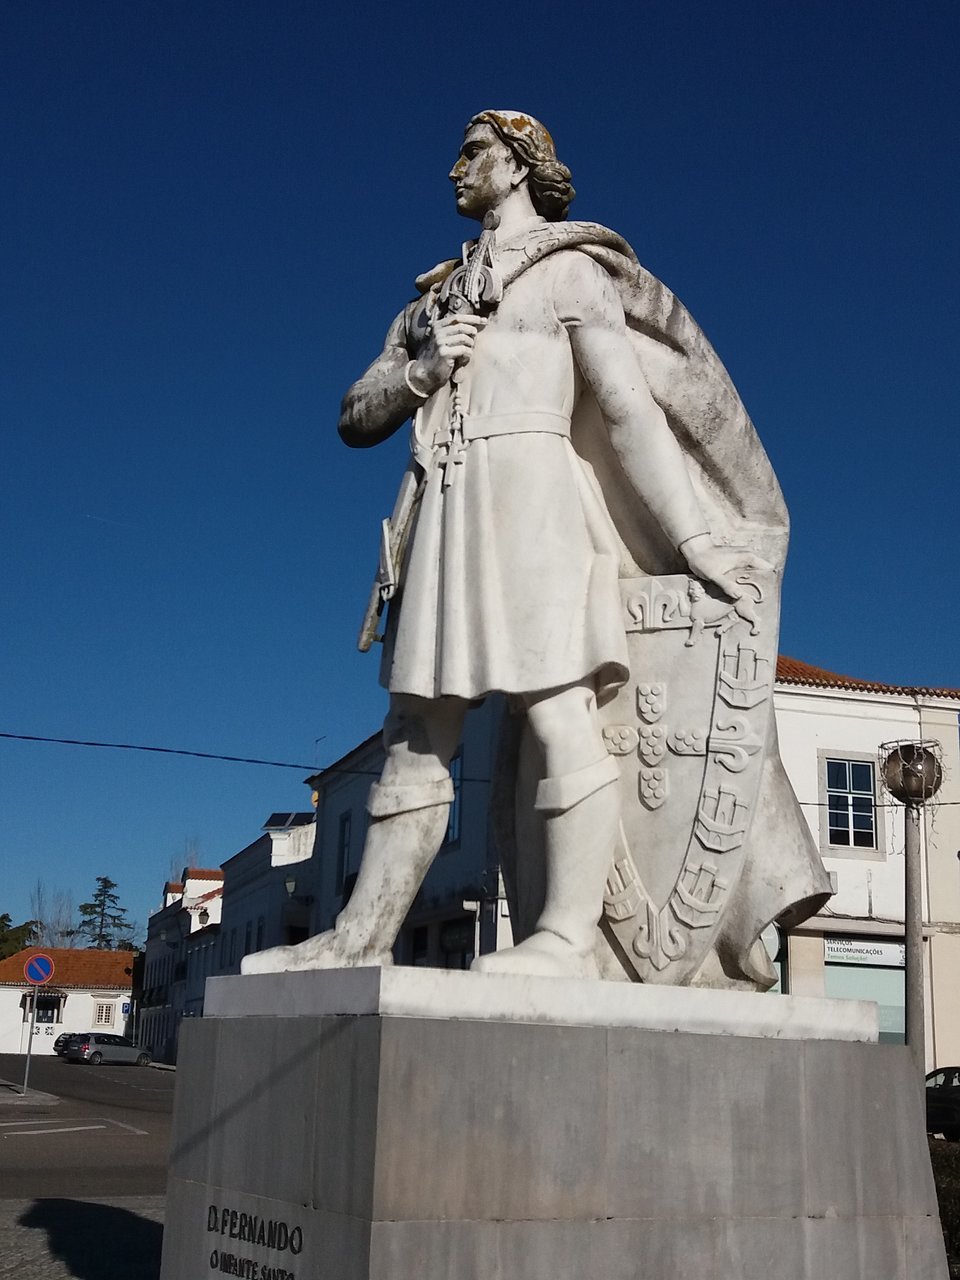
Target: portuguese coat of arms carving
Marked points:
688	731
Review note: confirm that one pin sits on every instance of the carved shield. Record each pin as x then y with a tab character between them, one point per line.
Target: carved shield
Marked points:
689	730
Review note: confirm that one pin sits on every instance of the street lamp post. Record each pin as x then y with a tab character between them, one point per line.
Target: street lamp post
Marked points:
912	774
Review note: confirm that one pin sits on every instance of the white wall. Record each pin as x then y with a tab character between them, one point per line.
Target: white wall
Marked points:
78	1012
851	724
870	883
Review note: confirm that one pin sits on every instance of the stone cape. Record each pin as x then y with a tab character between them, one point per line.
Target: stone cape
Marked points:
731	473
778	874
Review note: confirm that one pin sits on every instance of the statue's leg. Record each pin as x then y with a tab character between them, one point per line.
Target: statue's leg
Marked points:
408	810
581	806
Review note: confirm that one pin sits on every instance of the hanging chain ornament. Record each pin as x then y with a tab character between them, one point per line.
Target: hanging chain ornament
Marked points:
474	288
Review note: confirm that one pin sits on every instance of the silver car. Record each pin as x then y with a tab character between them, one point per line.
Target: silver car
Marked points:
99	1046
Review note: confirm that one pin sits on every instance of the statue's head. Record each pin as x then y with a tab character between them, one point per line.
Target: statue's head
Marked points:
502	150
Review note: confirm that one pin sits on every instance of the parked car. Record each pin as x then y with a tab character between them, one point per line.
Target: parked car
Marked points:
99	1046
943	1102
62	1040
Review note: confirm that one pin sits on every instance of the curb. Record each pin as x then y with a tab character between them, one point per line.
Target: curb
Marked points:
10	1096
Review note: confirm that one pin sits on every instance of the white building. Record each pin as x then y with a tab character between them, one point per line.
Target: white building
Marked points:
268	900
831	731
181	936
89	991
211	918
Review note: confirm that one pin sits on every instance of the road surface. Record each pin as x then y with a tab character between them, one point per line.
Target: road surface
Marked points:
109	1135
82	1181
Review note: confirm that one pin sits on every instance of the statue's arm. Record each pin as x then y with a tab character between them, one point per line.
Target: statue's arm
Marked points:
639	432
381	400
399	381
648	450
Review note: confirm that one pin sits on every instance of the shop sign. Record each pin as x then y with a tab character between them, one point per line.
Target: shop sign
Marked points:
864	951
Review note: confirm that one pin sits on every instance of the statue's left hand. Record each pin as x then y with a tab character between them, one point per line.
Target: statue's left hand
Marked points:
721	565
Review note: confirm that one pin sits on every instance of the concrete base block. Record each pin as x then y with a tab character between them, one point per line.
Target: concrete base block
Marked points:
374	1146
576	1002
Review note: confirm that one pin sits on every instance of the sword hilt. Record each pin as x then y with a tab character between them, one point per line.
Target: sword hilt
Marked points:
476	283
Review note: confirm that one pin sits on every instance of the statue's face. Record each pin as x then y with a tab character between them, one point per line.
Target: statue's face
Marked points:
485	173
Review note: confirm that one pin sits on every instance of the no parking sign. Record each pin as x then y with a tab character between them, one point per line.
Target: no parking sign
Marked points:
38	969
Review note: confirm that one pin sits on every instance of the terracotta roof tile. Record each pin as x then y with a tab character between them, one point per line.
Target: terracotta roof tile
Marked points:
73	967
793	671
173	886
202	873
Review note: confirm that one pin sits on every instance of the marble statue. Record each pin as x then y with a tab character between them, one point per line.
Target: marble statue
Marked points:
588	524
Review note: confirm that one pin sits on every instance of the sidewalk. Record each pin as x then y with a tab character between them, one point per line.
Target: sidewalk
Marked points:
59	1239
10	1095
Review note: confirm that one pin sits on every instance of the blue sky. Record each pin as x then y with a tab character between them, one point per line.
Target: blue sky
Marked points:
213	211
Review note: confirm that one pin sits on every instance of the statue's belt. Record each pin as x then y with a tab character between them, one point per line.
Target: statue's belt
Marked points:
482	426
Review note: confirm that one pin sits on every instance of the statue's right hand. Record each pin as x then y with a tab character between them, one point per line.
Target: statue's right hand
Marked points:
449	342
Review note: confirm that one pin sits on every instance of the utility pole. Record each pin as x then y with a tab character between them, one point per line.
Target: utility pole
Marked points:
912	774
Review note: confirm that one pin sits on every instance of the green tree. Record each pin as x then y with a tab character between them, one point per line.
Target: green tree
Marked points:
103	922
14	937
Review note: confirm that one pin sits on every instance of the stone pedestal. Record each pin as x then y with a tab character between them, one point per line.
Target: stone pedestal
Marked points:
421	1125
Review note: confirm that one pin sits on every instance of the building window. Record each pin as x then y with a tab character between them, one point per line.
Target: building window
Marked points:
103	1017
343	848
261	924
851	812
420	946
48	1007
452	837
457	942
247	937
348	887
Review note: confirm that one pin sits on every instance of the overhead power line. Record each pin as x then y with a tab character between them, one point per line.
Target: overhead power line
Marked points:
165	751
318	768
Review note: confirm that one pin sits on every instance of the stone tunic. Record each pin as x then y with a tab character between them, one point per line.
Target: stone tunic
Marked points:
511	575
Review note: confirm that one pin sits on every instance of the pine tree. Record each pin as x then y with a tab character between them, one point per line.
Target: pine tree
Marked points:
14	937
103	922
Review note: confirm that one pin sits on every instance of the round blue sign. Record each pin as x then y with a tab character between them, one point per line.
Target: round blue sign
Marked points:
38	969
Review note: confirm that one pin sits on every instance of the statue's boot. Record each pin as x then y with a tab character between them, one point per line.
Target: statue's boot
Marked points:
407	826
582	819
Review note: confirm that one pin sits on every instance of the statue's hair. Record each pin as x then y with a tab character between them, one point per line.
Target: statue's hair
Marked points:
549	181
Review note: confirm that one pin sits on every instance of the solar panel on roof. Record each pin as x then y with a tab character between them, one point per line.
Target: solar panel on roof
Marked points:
283	821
